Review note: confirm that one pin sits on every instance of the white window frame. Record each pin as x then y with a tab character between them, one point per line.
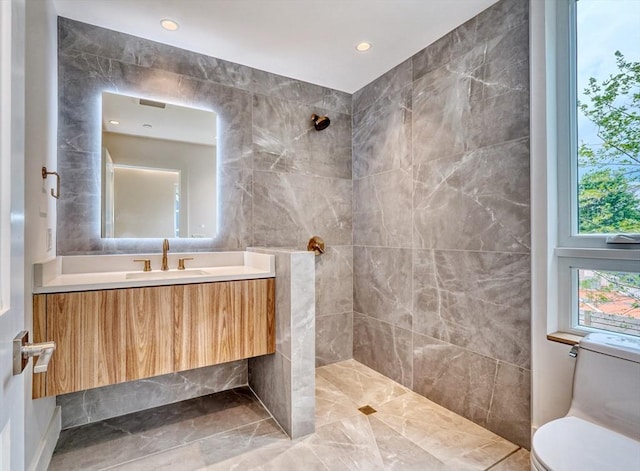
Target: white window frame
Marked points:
574	251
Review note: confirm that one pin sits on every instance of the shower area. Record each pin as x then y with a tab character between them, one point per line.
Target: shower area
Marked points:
441	223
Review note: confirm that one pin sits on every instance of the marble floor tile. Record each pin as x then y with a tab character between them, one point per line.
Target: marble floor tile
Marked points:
519	461
400	454
361	384
231	431
331	403
281	457
348	445
211	450
128	437
454	440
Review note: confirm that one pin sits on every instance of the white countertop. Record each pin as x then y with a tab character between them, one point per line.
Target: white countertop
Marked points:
96	272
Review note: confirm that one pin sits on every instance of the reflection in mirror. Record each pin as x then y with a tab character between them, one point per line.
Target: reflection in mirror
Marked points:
158	169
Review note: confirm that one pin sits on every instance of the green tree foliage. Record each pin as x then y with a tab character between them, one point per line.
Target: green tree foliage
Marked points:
608	201
607	204
613	105
608	192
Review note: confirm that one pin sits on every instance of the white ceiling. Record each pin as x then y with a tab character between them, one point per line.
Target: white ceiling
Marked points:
310	40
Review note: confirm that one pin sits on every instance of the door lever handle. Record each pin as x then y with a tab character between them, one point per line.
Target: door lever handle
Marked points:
43	359
23	350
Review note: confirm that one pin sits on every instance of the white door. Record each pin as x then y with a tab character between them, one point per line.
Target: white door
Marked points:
12	393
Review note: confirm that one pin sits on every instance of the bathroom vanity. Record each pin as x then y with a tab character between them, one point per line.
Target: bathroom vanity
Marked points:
121	324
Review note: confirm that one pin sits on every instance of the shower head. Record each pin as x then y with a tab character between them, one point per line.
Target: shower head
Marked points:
320	122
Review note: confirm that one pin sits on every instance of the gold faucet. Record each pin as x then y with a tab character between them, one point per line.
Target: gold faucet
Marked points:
165	249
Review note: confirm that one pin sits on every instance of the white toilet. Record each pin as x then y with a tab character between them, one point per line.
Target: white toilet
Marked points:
601	431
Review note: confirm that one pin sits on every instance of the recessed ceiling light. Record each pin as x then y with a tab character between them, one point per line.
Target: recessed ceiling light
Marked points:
169	25
113	121
363	46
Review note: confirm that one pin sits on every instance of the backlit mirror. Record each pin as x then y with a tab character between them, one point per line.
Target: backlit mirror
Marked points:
158	169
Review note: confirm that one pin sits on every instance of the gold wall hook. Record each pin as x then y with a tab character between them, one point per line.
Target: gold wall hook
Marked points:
316	244
55	194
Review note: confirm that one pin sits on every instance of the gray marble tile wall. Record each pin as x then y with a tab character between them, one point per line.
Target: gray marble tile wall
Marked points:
285	381
280	181
93	405
425	170
441	258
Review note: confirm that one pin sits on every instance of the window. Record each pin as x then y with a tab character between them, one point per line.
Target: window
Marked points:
598	87
607	300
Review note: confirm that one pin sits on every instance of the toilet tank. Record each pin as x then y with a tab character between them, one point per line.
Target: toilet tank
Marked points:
606	383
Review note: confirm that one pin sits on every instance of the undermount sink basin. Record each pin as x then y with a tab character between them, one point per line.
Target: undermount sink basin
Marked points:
164	274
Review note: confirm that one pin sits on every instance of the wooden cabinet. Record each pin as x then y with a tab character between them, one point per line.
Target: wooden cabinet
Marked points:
89	332
149	322
111	336
220	322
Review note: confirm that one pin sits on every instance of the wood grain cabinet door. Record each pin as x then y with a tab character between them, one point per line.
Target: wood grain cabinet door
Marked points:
224	321
149	321
258	334
104	337
111	336
89	331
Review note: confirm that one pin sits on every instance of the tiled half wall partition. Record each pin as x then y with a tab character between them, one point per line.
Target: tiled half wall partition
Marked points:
285	382
280	181
441	222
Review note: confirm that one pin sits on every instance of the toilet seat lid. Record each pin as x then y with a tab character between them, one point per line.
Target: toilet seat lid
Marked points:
570	443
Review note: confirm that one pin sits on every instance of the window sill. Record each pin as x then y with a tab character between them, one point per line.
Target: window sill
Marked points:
564	337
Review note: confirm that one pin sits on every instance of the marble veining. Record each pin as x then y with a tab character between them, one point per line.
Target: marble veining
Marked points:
382	284
382	135
434	192
491	201
266	83
441	222
334	281
288	209
429	426
334	338
113	441
106	402
382	213
292	145
511	404
395	79
285	381
277	202
518	461
230	431
262	119
476	300
440	367
125	48
384	345
361	384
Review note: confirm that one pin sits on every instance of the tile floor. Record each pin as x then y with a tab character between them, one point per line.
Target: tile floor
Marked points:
232	431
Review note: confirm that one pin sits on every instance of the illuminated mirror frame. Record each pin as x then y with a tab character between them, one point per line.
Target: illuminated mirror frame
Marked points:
153	127
92	60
